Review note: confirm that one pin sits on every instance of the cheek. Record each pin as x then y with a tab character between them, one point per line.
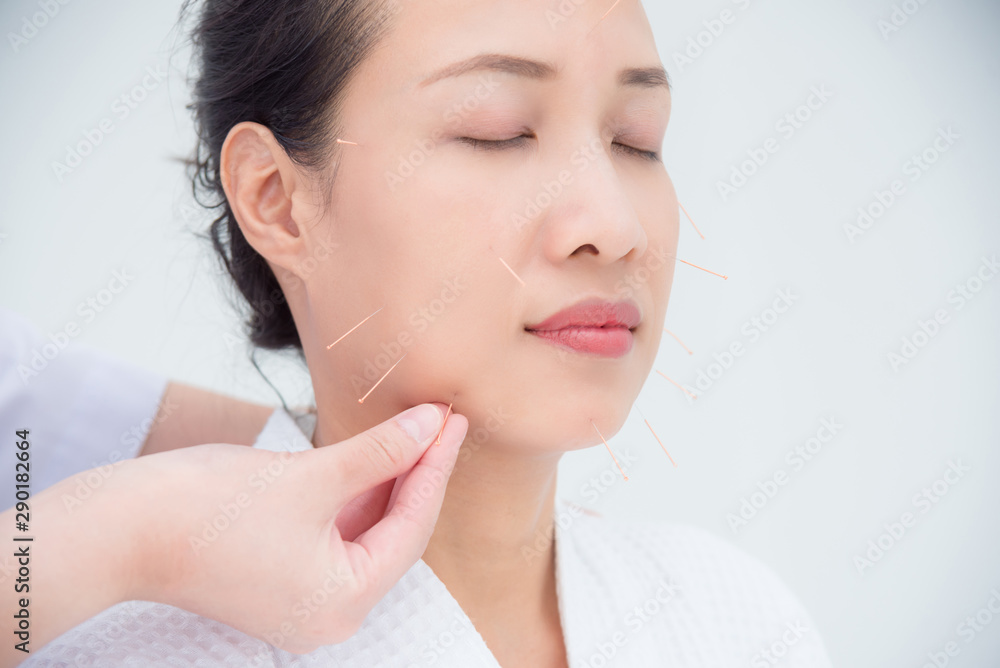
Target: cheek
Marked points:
416	219
656	205
399	218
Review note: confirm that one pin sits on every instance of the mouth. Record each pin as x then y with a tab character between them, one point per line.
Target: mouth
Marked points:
594	326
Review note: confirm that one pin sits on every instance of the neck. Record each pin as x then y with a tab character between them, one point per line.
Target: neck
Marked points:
493	544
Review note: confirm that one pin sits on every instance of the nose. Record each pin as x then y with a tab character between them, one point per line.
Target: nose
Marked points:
594	217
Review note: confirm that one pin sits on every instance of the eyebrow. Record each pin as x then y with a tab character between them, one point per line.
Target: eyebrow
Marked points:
640	77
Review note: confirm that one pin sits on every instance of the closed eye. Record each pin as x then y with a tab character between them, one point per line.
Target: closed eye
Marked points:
648	155
514	142
495	145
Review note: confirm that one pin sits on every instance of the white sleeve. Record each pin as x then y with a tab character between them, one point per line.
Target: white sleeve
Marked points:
82	408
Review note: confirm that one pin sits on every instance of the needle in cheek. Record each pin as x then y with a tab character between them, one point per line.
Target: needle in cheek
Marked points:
351	330
362	399
511	270
344	141
697	267
691	219
690	352
677	384
609	450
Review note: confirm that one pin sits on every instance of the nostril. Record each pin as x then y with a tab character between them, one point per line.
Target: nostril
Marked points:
590	248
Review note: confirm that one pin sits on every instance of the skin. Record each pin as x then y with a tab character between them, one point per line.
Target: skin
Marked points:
95	548
341	254
189	415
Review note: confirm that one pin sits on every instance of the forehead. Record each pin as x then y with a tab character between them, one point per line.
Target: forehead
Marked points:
587	40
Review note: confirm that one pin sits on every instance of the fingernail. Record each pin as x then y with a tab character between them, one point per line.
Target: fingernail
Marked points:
421	422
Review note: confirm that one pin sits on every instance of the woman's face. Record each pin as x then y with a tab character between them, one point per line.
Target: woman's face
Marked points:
422	220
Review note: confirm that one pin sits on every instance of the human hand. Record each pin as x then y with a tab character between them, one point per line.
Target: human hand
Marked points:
250	537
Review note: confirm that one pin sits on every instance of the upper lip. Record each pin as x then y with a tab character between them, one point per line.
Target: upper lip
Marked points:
593	312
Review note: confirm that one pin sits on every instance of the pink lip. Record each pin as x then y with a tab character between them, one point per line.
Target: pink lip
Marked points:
592	326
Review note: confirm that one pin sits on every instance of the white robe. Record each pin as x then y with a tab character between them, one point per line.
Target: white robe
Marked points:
631	594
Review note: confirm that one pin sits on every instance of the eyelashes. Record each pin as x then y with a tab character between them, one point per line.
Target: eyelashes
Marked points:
491	145
521	140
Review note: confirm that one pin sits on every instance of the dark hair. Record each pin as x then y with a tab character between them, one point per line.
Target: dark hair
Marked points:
286	65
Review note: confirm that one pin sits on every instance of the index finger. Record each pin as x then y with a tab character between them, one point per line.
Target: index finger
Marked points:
386	551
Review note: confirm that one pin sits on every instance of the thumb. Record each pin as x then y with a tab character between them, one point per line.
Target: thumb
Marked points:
383	452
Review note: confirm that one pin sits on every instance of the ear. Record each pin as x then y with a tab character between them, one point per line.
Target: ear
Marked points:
267	193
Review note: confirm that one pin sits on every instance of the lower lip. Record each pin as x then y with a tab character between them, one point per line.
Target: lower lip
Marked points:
603	341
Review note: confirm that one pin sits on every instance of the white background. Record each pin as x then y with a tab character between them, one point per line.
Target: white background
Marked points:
127	206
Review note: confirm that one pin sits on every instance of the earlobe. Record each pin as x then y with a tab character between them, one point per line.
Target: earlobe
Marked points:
259	181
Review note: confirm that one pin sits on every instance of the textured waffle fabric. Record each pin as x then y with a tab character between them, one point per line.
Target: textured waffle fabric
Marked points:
631	594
